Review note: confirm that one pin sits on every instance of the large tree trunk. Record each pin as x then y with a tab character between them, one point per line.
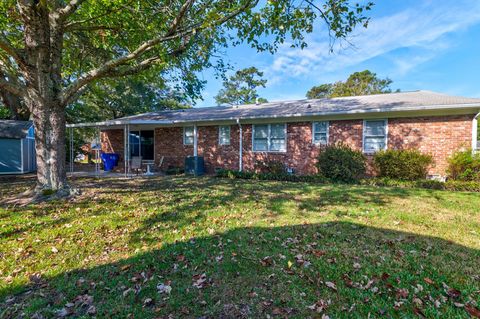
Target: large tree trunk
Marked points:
49	122
43	47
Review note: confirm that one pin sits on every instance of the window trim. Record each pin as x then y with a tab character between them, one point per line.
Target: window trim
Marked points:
269	138
385	121
313	133
184	136
220	136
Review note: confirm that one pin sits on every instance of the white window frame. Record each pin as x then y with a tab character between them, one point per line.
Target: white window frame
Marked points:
184	135
220	134
313	132
269	138
363	134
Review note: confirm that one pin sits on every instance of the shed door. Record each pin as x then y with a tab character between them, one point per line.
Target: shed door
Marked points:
10	156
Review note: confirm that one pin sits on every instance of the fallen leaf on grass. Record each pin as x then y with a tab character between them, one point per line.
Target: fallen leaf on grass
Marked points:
401	293
419	312
164	288
320	306
428	281
200	281
472	311
453	293
266	261
331	285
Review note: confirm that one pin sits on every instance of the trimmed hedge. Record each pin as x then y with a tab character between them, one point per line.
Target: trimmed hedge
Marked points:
271	176
450	185
407	165
341	163
270	167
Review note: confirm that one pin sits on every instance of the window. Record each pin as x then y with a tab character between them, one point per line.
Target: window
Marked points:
270	138
142	144
374	135
188	135
224	135
320	133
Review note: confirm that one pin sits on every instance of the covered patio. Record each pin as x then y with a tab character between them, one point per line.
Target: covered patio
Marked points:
137	156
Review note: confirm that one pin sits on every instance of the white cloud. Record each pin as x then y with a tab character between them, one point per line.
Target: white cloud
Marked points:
422	27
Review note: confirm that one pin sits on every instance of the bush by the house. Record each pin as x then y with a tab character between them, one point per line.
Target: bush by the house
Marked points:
341	163
270	167
172	170
450	185
271	176
464	166
402	164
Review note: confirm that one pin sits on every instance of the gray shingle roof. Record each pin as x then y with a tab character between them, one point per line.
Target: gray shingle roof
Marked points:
14	129
392	102
370	103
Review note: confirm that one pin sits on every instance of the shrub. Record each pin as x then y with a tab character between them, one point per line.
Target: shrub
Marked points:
402	164
270	176
464	166
450	185
270	167
341	163
172	170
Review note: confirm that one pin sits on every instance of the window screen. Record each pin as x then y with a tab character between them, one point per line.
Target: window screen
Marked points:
374	135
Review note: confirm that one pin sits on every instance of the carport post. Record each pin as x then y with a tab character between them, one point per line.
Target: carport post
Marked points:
128	150
97	164
71	149
125	136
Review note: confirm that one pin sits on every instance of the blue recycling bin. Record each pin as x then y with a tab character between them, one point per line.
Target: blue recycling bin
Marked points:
108	161
116	158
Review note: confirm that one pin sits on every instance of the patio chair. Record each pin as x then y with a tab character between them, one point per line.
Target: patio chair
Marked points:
136	164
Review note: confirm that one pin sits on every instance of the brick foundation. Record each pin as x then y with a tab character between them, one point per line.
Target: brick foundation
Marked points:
438	136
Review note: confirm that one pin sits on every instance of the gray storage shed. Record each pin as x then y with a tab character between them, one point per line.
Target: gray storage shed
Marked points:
17	147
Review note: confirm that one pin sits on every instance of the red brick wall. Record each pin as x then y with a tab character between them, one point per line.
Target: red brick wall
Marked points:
439	136
169	144
216	155
301	154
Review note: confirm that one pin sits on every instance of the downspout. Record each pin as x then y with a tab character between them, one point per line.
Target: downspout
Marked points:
240	146
195	149
475	132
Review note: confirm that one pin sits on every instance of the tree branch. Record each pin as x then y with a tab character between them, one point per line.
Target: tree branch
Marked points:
113	64
179	17
110	68
15	53
62	14
74	27
15	89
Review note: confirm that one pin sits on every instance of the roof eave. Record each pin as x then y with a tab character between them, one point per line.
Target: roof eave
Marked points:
412	110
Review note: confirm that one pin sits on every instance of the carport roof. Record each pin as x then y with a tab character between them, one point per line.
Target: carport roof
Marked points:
380	103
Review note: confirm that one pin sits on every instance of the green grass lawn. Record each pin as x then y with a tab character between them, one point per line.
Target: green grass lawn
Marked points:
218	248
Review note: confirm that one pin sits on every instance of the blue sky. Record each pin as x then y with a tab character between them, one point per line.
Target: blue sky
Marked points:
419	44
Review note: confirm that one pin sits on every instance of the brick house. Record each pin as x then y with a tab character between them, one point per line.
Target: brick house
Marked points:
293	132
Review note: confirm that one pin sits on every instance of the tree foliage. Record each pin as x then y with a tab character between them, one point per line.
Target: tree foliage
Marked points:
115	99
241	88
358	83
